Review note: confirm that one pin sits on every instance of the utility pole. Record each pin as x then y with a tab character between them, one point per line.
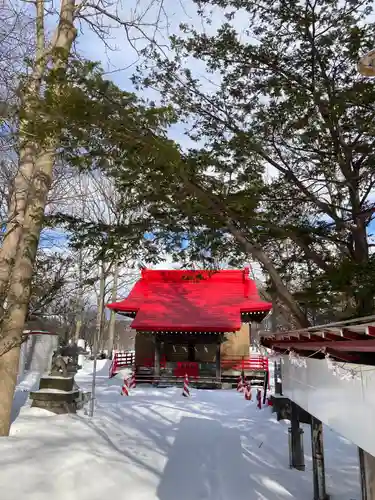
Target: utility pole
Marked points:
97	335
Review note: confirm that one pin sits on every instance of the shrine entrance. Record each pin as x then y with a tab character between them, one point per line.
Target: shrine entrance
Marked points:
188	321
174	355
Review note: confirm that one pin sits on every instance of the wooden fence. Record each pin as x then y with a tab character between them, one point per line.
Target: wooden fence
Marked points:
252	363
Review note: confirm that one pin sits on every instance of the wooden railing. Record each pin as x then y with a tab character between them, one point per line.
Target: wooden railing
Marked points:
121	360
253	363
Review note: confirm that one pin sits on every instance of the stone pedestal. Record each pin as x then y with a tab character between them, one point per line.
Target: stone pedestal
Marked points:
56	394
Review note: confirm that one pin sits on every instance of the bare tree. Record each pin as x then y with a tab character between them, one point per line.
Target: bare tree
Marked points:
36	158
100	202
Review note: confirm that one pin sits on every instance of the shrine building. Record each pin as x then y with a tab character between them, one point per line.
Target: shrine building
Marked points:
194	322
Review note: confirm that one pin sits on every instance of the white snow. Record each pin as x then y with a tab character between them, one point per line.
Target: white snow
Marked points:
58	377
157	445
57	391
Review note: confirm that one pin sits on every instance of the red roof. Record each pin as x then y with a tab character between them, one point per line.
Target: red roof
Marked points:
181	300
344	339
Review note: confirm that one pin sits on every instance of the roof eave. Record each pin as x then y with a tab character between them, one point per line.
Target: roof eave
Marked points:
122	307
345	346
183	329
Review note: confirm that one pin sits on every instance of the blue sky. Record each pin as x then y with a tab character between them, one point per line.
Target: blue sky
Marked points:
54	239
120	61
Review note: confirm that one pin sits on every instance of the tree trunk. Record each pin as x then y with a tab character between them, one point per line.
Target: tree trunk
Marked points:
112	320
28	154
16	212
8	369
215	205
281	290
99	316
274	316
79	313
97	335
20	286
364	300
23	248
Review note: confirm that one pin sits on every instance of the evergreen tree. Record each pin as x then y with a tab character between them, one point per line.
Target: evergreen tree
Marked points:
283	168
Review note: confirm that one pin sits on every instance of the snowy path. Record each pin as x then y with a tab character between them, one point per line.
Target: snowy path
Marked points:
156	445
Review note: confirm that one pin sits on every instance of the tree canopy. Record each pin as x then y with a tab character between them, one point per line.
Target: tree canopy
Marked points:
111	131
282	170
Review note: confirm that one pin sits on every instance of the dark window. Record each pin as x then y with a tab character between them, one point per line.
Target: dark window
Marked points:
191	352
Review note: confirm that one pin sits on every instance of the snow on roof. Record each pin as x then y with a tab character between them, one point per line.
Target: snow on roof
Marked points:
186	300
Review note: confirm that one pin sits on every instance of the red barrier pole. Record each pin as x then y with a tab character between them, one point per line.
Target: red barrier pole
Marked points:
112	370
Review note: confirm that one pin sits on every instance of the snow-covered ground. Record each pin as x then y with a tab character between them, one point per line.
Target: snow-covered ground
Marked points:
157	445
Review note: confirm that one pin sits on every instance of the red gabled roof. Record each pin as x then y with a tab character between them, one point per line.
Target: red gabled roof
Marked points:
182	300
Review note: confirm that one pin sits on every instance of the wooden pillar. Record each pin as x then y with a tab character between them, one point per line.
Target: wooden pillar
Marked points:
275	377
157	360
297	457
317	449
362	473
218	362
367	472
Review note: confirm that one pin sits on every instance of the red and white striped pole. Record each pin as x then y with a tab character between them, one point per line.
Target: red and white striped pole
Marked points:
133	382
186	391
115	363
113	367
240	384
125	388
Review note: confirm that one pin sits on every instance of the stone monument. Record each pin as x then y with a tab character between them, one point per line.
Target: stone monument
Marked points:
58	391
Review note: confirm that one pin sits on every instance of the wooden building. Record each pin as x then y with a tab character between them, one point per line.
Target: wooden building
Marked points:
194	322
327	377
